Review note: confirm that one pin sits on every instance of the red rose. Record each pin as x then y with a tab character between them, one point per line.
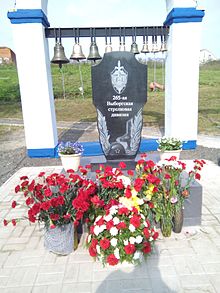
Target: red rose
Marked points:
146	233
5	222
104	243
135	221
13	204
17	188
147	247
112	260
129	249
92	251
13	222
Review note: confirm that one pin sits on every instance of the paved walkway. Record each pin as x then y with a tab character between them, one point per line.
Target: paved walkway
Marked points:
186	262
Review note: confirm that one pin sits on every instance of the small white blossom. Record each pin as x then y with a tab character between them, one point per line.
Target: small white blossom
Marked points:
114	241
125	180
102	228
142	216
125	242
138	239
151	239
113	210
116	221
131	228
116	253
96	230
98	249
108	218
146	224
113	231
132	240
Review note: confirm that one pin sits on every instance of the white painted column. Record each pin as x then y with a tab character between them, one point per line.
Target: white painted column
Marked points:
182	70
32	54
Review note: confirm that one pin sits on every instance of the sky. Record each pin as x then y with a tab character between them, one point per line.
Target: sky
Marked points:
91	13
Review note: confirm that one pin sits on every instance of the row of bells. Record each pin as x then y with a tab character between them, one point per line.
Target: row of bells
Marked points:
77	54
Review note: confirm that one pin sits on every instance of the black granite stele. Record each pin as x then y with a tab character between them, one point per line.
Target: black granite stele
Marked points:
119	87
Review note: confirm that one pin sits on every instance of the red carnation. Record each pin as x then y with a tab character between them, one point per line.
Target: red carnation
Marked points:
197	176
23	177
121	225
13	222
92	251
147	247
135	221
123	211
138	183
129	249
48	192
144	155
31	186
112	260
5	222
24	183
130	172
17	188
155	235
94	242
122	165
45	205
109	224
167	176
13	204
146	233
100	222
41	174
54	217
128	193
104	243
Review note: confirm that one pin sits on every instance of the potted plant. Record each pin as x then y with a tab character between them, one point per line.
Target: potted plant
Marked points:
58	201
169	146
70	154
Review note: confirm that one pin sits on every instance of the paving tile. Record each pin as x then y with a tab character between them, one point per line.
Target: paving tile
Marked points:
39	289
51	269
49	279
18	290
71	273
85	287
85	272
194	281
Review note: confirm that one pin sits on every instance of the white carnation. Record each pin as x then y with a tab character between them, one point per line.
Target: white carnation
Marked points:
116	221
131	228
113	210
132	240
138	239
114	242
116	253
108	218
125	180
151	239
113	231
102	228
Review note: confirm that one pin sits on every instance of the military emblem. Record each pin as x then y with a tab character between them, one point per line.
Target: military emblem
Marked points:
119	78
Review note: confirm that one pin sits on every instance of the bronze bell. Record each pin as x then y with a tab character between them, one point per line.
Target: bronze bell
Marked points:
77	53
163	47
134	48
59	55
145	48
122	47
155	47
94	52
108	45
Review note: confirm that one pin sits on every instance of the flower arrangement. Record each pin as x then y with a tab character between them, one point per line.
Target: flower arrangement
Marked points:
70	148
121	234
169	144
56	199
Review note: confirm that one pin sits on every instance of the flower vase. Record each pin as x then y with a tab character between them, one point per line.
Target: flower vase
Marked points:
178	220
70	161
59	240
166	226
164	155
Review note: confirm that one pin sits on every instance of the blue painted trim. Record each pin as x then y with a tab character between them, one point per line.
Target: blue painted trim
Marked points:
94	149
181	15
28	16
42	153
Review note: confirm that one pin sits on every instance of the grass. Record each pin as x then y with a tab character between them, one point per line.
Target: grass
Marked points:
76	108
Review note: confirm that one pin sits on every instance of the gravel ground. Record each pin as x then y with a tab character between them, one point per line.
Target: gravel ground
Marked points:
13	160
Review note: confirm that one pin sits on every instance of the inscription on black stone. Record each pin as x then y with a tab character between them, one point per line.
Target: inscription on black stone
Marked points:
119	86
